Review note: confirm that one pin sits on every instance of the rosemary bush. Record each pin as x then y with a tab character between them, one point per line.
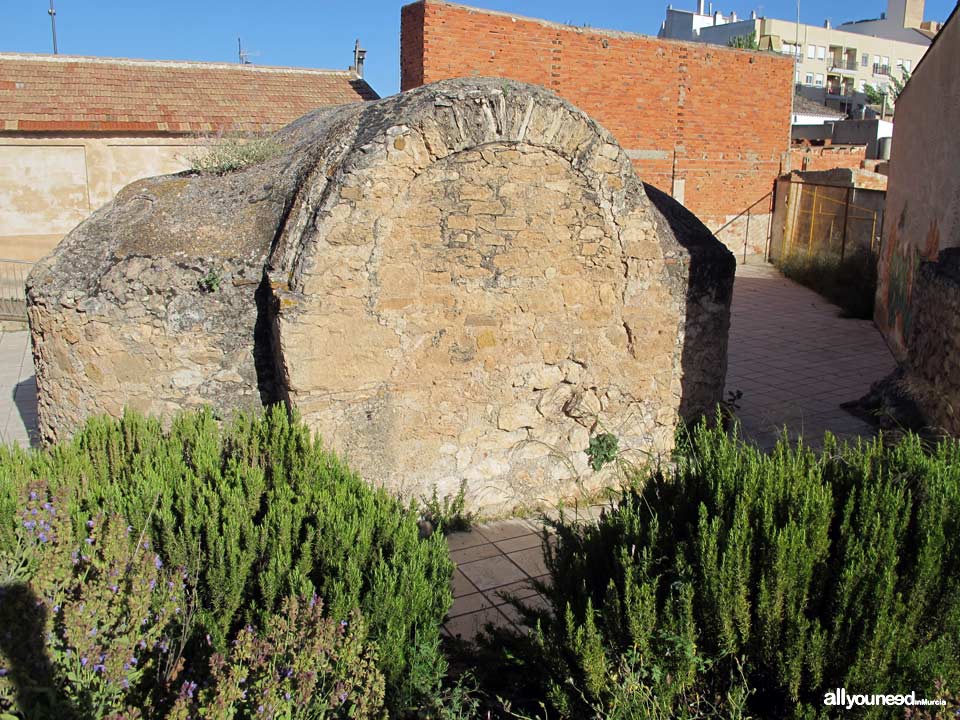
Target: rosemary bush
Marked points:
746	584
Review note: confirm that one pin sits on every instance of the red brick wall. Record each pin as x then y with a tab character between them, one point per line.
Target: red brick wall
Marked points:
714	117
826	158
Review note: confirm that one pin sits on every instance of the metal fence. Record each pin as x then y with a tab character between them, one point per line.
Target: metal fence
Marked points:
825	222
13	278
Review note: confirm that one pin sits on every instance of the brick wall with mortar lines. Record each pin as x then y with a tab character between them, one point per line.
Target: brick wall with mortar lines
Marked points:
716	118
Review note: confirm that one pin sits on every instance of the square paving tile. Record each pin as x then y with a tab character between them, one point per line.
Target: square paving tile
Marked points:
460	585
462	540
470	604
467	627
530	561
505	530
524	542
493	572
471	554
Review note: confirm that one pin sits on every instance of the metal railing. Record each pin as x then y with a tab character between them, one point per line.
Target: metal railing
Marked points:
13	278
879	69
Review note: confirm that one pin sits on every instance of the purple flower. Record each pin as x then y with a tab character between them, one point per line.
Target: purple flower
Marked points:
114	588
343	697
56	609
343	623
191	686
90	524
124	683
157	562
33	494
133	661
129	529
48	507
3	672
89	541
286	696
29	524
99	668
42	537
84	661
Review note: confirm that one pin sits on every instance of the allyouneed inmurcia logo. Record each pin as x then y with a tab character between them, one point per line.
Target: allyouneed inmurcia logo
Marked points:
842	698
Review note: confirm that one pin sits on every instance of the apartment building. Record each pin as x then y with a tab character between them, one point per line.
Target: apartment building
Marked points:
833	64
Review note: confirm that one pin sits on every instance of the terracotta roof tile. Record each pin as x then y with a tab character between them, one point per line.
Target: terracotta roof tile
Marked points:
84	94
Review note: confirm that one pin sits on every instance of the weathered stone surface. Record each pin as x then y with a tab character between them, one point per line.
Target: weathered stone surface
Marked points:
458	283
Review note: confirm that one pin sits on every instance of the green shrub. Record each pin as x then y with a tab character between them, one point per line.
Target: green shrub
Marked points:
760	578
256	512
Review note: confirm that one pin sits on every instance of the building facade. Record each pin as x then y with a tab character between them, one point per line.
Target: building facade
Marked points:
833	64
75	130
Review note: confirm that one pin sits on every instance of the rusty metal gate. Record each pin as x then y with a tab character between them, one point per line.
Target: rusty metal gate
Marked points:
825	223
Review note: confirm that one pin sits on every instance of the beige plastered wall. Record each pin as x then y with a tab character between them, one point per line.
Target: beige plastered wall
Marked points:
49	184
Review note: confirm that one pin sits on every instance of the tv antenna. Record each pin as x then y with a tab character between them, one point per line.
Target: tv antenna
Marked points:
52	12
243	55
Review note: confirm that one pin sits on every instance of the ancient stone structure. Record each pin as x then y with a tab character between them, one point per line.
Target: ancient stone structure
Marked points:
463	282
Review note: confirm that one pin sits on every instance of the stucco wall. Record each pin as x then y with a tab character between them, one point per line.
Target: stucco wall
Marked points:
923	194
49	184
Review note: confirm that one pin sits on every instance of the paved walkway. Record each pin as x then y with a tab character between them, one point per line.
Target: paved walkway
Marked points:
791	355
18	389
796	360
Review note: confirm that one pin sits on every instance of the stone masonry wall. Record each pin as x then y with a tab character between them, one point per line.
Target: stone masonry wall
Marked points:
932	365
461	283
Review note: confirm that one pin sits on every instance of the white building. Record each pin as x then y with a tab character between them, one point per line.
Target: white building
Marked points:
834	64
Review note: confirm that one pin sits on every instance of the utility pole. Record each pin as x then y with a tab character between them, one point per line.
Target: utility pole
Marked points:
53	25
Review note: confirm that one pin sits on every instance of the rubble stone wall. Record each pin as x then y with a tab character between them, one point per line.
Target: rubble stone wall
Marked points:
932	365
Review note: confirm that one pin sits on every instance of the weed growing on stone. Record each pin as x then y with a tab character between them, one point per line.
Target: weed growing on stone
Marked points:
210	282
449	514
603	449
227	153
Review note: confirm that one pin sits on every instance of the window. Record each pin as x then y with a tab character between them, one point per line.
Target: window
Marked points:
886	61
907	65
876	59
819	80
864	60
899	63
821	52
863	86
797	77
811	51
809	79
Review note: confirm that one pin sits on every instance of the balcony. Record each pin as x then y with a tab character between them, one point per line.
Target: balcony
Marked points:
879	69
836	64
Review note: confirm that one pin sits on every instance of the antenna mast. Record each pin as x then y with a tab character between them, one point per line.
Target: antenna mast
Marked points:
53	25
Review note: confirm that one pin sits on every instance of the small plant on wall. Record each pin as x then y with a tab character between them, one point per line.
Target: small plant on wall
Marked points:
603	449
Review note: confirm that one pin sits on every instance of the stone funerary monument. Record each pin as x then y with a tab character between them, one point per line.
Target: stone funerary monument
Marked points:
462	282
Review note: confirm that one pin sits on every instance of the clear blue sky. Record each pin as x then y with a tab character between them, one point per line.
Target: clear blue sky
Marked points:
321	33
